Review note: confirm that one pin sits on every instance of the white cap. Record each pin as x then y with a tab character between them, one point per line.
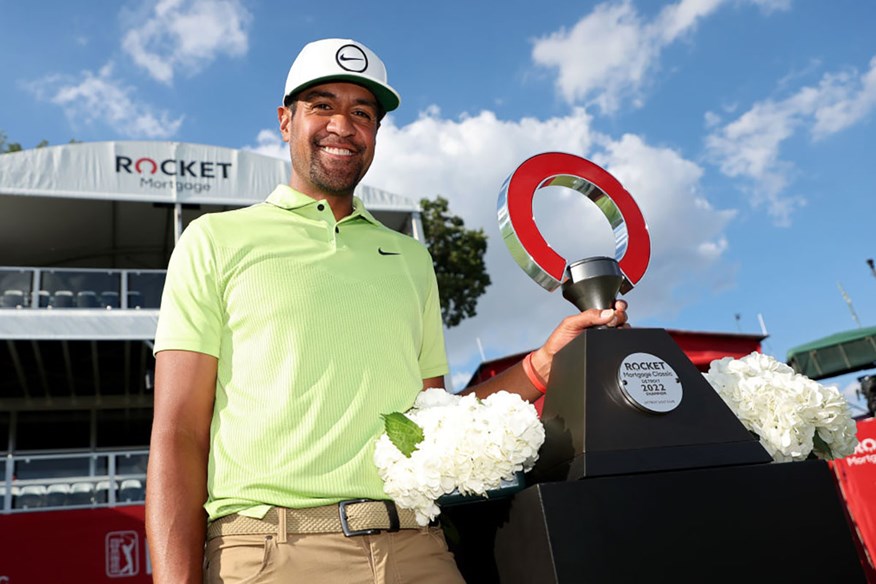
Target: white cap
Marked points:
340	60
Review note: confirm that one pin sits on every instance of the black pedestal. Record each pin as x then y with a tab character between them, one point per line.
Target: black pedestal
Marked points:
755	523
592	430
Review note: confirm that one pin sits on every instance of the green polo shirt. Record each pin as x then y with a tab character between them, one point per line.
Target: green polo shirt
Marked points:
319	327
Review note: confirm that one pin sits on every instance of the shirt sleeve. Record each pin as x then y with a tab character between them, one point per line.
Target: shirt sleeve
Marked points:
433	358
190	317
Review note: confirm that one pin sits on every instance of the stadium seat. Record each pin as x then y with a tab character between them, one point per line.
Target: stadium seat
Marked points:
131	491
101	492
81	494
30	497
43	298
63	299
14	491
135	299
12	299
87	299
3	497
57	494
110	299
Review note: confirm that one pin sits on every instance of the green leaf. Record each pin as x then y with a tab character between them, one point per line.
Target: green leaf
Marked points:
403	432
821	447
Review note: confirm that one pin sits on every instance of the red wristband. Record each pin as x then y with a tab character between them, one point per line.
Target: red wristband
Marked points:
533	377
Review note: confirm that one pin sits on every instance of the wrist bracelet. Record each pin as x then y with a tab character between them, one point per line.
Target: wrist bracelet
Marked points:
533	377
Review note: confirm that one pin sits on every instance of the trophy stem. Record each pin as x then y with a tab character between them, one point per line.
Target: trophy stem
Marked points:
593	283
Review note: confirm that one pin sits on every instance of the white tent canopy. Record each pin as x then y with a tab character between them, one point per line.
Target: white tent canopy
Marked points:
123	204
120	206
161	172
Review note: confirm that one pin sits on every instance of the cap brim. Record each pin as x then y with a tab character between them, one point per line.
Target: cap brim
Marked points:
386	96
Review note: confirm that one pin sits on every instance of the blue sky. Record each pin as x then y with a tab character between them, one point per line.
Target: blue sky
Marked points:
742	127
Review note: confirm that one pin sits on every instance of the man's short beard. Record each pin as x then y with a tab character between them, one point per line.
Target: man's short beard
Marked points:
331	182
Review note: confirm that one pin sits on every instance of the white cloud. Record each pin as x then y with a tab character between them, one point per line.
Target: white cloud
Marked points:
459	380
100	98
468	159
711	119
187	35
609	55
852	392
750	145
269	143
853	98
770	6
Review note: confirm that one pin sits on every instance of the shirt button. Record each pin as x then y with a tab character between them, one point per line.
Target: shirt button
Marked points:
320	207
337	230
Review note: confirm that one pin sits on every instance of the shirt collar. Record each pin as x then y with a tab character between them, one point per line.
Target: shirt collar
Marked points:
286	197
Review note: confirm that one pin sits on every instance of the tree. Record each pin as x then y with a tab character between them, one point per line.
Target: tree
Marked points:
458	256
6	147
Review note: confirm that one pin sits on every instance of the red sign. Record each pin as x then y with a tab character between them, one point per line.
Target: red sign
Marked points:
857	479
83	546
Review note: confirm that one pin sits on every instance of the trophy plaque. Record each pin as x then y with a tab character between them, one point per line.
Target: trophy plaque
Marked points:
619	401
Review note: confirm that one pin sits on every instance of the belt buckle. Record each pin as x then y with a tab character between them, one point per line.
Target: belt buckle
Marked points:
394	524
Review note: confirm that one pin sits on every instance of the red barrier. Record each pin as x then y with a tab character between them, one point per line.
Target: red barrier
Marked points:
97	546
83	546
856	475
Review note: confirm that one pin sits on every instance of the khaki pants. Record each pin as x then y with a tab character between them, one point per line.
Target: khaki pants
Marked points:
409	556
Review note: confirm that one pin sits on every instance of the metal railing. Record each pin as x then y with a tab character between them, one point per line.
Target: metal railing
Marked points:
43	482
63	288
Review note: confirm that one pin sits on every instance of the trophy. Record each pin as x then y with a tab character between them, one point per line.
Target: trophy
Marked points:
645	474
618	401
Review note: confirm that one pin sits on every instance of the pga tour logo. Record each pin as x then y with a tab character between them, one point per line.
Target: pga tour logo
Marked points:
122	554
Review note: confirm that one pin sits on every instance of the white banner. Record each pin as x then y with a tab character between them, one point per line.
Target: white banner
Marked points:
167	172
152	171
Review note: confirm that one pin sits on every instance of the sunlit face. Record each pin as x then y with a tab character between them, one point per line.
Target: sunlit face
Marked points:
331	130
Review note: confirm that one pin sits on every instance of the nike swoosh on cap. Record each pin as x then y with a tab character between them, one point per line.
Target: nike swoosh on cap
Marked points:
381	251
345	58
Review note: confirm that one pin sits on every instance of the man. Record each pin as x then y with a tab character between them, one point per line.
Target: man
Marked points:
286	329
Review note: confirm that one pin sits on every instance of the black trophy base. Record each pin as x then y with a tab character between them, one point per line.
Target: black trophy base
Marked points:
758	523
592	430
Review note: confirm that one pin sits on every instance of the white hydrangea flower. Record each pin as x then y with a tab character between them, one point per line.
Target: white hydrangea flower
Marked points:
792	415
470	446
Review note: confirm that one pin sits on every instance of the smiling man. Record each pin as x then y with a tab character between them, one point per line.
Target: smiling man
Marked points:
286	330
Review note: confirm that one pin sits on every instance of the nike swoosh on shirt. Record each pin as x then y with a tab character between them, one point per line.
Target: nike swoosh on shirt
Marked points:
382	252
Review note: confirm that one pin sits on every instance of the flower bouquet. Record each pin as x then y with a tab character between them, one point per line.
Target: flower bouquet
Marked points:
792	415
448	445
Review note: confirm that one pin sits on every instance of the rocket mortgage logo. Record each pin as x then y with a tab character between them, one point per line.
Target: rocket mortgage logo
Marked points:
174	173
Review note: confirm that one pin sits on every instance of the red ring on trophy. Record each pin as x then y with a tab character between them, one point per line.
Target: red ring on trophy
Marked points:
529	248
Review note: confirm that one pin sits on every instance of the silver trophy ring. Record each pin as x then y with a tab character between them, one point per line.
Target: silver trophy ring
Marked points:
526	244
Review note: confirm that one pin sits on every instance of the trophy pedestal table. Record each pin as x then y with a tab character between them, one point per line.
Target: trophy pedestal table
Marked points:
751	523
645	474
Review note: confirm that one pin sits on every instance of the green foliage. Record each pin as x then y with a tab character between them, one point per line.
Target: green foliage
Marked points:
403	432
458	256
821	447
6	147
